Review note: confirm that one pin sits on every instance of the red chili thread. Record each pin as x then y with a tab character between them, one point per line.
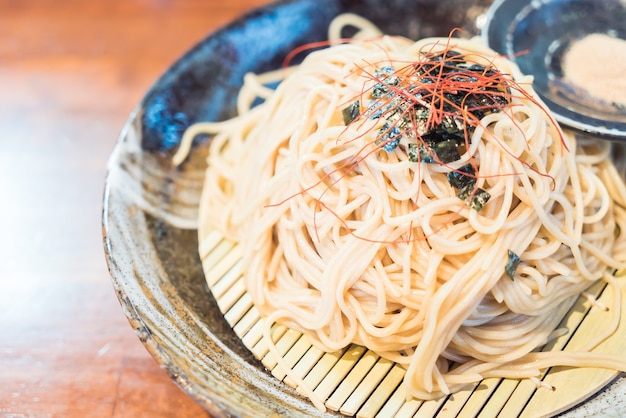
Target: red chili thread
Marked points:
444	80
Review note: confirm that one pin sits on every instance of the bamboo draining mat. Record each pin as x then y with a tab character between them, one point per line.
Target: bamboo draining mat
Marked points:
357	382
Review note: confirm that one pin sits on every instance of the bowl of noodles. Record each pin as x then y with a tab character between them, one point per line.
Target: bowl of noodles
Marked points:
367	213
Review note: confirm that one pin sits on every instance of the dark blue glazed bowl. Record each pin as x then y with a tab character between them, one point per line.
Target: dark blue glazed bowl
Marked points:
537	34
151	207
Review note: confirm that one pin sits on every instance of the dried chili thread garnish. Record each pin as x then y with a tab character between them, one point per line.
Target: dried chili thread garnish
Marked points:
432	116
431	109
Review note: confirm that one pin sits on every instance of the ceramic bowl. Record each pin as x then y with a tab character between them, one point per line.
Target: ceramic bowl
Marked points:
151	207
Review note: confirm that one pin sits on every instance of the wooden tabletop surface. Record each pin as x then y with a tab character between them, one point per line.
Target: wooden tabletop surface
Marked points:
70	73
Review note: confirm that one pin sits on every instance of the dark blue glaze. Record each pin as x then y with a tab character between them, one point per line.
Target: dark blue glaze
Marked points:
204	83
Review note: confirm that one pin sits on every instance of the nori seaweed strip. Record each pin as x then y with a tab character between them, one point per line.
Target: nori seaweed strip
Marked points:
463	177
479	199
446	151
389	137
351	112
512	264
464	181
414	153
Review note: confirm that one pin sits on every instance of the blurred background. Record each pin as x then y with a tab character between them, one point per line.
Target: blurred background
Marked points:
71	71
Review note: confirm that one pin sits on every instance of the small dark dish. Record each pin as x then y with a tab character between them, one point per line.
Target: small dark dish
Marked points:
151	207
536	35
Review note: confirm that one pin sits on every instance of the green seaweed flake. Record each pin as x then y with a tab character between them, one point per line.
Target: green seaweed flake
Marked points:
414	152
478	199
512	264
463	178
351	112
464	181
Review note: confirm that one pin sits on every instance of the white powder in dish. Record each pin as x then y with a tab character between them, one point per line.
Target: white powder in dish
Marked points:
597	64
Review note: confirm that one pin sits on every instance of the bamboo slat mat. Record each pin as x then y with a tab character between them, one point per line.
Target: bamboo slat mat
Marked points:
357	382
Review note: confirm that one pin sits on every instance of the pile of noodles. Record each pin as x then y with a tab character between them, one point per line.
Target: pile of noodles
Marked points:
350	243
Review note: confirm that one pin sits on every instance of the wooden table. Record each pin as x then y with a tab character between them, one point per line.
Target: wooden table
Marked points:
70	73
